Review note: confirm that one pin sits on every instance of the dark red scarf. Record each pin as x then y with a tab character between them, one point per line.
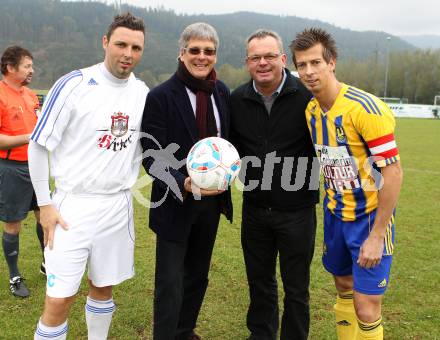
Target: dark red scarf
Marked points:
203	89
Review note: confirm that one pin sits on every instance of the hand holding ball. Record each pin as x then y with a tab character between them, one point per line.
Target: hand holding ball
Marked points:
213	163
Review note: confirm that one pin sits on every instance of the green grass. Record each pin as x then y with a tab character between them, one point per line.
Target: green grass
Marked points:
38	91
411	305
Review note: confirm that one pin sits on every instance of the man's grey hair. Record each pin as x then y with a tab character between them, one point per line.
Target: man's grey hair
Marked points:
263	33
198	30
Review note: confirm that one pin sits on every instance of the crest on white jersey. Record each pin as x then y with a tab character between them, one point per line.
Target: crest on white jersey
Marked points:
119	124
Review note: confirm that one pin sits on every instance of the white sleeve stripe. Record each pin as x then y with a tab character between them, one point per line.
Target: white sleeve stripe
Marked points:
51	101
54	95
384	147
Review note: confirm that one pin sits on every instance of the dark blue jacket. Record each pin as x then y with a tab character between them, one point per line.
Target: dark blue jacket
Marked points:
170	124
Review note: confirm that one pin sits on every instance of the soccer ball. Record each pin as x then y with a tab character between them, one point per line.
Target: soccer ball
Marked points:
213	163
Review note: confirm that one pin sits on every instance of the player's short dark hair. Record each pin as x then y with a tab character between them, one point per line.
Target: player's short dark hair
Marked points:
12	56
311	37
126	20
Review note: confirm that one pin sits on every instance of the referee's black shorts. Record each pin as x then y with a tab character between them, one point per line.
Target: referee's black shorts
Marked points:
17	196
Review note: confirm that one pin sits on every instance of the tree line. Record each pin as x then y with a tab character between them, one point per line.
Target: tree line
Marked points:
67	35
414	75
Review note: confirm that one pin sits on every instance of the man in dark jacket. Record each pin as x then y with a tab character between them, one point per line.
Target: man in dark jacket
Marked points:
189	106
269	130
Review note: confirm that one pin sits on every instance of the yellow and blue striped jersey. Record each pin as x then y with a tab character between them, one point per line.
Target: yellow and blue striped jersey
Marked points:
353	140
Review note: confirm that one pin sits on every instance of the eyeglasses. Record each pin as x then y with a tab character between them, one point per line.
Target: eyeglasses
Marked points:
197	50
268	57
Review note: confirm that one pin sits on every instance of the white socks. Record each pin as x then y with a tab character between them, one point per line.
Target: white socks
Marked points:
44	332
98	317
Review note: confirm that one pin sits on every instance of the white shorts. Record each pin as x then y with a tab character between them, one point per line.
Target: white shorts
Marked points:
100	234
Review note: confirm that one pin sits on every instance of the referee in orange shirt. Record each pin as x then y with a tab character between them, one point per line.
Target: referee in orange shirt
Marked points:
18	116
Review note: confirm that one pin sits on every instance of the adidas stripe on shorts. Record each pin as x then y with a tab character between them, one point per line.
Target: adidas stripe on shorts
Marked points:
342	241
100	236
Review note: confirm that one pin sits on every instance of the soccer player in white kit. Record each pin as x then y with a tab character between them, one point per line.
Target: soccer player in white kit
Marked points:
90	124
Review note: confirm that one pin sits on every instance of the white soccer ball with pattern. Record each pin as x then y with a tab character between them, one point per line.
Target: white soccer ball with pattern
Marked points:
213	163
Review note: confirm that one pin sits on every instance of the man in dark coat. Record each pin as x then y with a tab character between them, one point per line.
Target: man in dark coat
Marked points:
190	106
269	130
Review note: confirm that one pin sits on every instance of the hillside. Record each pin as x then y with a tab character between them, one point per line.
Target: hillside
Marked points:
423	41
67	35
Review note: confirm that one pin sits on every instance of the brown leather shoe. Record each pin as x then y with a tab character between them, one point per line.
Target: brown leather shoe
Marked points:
194	336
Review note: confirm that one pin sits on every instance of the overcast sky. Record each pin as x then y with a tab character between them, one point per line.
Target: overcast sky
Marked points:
398	17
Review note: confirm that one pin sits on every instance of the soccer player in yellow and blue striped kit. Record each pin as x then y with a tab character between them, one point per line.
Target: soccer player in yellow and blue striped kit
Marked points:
353	134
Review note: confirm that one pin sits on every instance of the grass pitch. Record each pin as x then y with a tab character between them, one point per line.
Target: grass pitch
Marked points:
411	305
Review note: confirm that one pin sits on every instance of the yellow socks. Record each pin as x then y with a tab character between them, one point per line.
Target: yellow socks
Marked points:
370	331
346	322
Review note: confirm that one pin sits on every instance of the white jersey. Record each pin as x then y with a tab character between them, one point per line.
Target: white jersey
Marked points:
90	123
